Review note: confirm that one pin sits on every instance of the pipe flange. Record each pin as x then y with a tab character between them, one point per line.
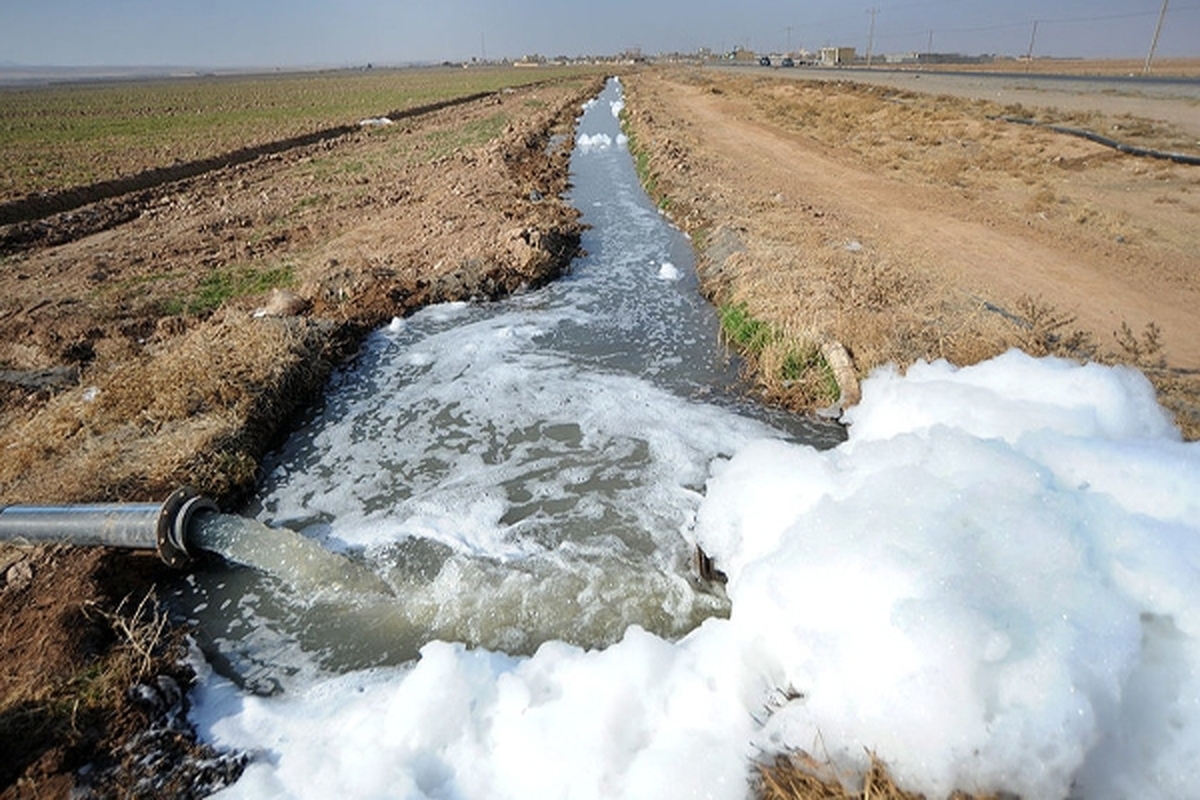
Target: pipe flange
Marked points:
173	521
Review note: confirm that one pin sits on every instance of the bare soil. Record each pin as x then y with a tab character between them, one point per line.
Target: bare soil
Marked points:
168	336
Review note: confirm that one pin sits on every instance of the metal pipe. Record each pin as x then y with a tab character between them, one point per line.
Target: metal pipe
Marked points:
139	526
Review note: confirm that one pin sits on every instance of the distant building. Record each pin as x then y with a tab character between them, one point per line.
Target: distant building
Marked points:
837	56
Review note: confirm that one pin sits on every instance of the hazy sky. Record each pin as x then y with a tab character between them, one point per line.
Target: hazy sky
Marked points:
218	33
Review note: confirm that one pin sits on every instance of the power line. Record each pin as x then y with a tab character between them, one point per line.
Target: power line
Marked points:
927	33
1041	21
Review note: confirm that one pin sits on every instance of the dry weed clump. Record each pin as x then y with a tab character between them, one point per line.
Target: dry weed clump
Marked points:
141	632
1041	329
799	776
1178	390
193	412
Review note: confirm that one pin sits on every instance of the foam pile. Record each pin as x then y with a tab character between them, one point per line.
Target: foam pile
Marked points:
994	584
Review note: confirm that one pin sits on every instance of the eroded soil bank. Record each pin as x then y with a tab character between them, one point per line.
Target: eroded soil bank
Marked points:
168	338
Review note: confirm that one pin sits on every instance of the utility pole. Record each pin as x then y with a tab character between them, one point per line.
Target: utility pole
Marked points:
1154	42
1032	39
871	36
789	47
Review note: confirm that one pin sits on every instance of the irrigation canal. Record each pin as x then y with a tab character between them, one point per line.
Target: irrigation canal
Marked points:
500	474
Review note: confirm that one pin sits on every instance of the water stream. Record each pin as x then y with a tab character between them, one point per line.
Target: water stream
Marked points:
509	473
300	562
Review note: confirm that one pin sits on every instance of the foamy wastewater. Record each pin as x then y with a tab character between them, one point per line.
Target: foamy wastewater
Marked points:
517	472
508	496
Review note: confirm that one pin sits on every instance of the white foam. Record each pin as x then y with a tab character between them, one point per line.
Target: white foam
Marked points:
590	143
995	584
668	272
428	459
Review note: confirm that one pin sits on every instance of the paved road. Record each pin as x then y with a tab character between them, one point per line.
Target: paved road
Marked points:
1172	100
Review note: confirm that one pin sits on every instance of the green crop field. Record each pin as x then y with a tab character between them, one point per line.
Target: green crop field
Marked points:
57	137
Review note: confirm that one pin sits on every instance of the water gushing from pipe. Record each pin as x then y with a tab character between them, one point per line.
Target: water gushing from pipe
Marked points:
301	562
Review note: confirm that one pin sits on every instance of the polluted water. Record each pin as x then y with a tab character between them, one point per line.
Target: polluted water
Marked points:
299	562
500	474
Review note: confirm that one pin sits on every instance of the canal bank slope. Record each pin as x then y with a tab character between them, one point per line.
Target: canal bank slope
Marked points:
910	226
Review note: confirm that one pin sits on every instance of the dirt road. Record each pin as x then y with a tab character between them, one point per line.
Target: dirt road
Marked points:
974	231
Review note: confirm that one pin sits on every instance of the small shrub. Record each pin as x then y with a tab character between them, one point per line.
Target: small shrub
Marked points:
1144	352
750	334
1046	331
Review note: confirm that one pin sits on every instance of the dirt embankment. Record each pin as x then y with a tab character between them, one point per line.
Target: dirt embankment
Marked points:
172	340
912	226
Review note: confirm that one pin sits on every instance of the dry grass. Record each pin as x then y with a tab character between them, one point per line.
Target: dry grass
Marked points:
100	688
197	411
801	777
945	140
141	633
885	310
65	690
809	282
